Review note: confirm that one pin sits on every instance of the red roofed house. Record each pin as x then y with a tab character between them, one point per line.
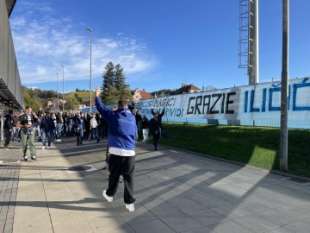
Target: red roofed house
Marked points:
140	95
187	88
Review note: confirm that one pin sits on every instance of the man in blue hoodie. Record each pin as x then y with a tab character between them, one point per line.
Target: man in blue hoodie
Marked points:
122	133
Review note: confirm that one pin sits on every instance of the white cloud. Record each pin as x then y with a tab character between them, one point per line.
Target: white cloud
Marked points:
44	43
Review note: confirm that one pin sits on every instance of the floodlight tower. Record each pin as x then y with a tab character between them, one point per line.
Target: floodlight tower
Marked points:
249	38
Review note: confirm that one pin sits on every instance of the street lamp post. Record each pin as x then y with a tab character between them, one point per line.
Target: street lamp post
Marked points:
57	91
63	88
284	87
90	66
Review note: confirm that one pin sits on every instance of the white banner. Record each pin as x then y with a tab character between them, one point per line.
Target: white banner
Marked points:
245	105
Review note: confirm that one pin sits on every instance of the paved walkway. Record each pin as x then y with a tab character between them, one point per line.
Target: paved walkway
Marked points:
176	192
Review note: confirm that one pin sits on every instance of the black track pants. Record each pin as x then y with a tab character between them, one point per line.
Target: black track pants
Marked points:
125	166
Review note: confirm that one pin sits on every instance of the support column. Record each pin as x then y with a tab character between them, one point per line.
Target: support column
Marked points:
253	56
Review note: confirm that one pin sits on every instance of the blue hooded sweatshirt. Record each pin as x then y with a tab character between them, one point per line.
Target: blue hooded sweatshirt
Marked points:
122	128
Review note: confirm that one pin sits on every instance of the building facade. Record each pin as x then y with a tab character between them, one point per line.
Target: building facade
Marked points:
10	83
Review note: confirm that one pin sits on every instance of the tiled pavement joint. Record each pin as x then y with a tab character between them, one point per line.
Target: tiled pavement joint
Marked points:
8	188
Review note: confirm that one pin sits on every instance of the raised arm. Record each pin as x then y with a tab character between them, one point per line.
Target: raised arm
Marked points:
162	112
104	111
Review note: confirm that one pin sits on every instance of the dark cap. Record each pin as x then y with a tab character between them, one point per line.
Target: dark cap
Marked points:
123	101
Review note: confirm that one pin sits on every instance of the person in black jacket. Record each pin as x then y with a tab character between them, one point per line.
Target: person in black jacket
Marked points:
8	128
159	116
145	128
87	119
47	127
139	124
79	126
155	129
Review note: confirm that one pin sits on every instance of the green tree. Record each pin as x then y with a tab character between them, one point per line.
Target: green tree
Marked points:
122	88
72	102
119	79
114	84
30	99
108	89
78	98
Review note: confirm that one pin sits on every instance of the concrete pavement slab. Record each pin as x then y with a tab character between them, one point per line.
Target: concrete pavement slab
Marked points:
176	191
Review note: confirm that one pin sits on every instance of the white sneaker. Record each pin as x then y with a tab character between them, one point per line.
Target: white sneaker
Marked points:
130	207
43	147
108	198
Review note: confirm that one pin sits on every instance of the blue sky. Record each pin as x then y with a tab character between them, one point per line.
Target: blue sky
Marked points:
161	43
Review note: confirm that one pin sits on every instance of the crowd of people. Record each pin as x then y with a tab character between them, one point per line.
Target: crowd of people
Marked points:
123	126
49	127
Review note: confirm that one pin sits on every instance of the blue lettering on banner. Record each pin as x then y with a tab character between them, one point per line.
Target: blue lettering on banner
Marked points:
264	100
190	108
252	108
246	97
271	107
217	103
179	112
296	87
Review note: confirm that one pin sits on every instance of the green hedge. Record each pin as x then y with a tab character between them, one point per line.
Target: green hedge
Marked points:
251	145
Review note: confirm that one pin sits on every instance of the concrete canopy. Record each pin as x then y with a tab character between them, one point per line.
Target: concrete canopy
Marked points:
10	5
10	84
